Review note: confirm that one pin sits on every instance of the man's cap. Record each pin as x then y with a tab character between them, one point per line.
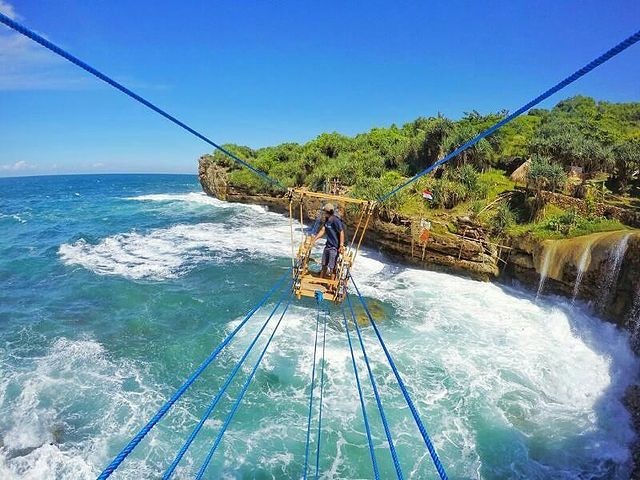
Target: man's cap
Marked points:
328	207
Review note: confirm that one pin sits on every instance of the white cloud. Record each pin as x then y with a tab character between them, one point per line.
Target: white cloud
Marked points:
98	165
8	10
19	166
25	65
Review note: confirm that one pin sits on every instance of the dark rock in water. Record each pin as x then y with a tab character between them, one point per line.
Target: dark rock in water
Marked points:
632	402
21	452
57	434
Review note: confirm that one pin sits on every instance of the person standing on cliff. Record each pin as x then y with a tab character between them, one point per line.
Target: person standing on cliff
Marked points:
334	230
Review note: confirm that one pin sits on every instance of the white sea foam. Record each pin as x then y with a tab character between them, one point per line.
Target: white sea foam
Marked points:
251	232
195	198
478	359
14	216
62	413
170	252
489	369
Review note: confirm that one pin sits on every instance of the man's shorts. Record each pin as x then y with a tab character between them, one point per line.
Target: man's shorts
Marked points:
329	256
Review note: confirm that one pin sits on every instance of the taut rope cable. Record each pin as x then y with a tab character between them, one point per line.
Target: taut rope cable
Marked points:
218	396
374	462
423	431
243	391
313	384
620	47
324	343
88	68
183	388
383	417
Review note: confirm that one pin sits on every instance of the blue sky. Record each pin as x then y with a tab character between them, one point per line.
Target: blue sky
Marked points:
260	73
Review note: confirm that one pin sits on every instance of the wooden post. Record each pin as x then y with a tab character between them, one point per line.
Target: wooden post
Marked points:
464	233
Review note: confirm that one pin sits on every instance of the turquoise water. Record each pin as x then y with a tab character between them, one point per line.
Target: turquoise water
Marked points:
114	288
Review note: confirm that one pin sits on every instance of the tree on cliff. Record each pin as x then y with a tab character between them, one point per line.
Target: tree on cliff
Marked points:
598	136
627	164
544	175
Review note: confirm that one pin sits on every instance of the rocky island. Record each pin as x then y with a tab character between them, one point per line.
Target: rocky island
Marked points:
529	210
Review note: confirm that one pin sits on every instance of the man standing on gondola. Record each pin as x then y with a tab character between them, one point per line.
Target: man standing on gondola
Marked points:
334	230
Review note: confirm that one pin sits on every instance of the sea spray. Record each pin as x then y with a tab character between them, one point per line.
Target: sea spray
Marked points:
547	260
583	264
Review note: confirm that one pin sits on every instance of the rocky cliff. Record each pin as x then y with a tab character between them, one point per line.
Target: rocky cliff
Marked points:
602	268
397	236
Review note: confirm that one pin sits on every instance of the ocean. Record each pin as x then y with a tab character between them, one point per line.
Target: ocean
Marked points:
113	289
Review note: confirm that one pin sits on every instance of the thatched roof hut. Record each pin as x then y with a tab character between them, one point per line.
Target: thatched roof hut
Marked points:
519	175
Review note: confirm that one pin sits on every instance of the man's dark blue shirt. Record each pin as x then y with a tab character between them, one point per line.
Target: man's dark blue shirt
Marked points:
332	227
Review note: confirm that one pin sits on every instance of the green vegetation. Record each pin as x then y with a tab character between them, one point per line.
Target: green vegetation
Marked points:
558	223
601	138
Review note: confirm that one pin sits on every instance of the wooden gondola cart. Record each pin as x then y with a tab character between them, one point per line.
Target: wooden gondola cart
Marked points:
306	282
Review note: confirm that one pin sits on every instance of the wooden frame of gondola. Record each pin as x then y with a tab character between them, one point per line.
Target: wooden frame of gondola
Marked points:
307	284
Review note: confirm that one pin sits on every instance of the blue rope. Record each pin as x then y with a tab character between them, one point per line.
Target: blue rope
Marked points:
88	68
374	462
218	396
313	384
324	342
423	431
620	47
383	417
243	391
163	410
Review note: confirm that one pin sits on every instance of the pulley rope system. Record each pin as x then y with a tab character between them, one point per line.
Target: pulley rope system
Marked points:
301	285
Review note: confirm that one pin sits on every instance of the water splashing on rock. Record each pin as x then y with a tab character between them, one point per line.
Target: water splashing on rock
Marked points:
547	260
614	262
587	266
583	265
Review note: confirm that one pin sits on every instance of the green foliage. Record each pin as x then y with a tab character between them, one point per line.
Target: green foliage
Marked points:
544	174
248	180
503	219
563	223
456	186
599	136
627	163
559	223
375	187
580	131
478	155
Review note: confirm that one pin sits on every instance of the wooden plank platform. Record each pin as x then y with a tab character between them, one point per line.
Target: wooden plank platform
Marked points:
309	284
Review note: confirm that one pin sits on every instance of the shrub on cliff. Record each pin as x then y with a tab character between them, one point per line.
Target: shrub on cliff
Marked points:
544	174
503	219
627	164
